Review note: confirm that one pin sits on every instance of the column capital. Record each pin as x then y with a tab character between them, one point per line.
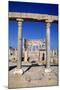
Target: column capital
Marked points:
48	21
48	24
19	20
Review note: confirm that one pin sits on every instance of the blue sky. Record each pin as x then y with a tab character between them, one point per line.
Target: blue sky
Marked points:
33	30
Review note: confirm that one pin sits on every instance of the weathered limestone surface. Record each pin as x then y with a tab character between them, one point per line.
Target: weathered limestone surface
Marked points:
25	56
19	43
48	44
32	16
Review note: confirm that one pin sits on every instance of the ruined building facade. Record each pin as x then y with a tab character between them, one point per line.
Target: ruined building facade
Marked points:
36	52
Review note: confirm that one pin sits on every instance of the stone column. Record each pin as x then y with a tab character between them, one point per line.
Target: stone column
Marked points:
19	43
48	46
40	58
25	56
19	52
25	51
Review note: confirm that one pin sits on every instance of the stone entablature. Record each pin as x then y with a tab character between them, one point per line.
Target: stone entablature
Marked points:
16	15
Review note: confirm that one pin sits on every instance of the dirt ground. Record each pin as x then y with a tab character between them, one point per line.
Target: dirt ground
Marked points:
33	76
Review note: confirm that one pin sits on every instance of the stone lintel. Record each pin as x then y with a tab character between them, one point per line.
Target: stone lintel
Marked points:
32	16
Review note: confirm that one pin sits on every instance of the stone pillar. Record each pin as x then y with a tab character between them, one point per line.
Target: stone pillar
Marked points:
48	47
25	51
40	58
19	63
19	52
25	56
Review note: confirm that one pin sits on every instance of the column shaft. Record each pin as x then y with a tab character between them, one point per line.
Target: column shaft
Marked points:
48	44
19	62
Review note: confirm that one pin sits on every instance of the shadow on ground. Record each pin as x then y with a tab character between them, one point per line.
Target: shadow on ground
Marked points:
29	66
12	67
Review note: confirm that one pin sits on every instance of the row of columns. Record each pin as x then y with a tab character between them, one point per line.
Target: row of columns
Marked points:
19	62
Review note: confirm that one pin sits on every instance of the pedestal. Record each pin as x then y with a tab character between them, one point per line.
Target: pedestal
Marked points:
47	70
18	71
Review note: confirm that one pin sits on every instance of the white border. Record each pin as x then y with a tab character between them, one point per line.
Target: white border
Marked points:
39	1
4	43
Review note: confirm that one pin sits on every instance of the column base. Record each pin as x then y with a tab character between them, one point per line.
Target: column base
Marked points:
47	70
18	71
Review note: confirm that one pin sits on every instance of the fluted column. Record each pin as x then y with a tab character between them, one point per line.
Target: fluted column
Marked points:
19	62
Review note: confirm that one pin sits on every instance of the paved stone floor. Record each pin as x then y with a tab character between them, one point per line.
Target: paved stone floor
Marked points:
34	76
